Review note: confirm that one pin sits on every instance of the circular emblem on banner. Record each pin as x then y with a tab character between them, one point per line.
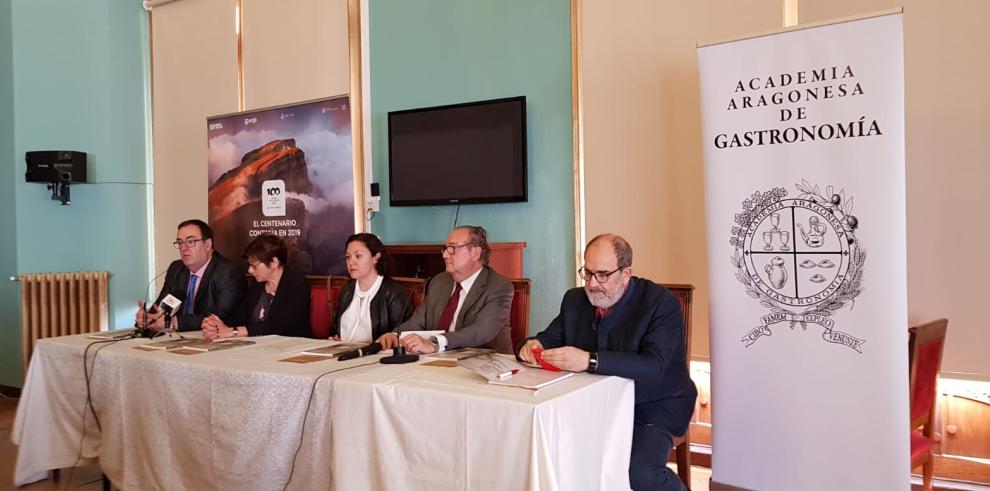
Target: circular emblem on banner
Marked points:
799	257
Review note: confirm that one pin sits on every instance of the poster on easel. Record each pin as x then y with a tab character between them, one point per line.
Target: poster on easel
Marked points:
803	135
286	171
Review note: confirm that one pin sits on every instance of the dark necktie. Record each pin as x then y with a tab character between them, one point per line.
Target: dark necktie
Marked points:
190	295
447	317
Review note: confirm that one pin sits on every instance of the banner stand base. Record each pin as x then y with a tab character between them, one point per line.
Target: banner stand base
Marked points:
714	485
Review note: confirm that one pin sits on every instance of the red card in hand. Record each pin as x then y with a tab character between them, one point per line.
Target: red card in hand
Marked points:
538	354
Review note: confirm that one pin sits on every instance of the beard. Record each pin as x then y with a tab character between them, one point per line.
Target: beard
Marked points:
603	298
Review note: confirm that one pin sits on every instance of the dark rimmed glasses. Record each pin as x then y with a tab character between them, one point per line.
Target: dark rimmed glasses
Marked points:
601	276
188	243
450	250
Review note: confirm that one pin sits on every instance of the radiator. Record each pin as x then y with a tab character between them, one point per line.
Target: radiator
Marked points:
59	304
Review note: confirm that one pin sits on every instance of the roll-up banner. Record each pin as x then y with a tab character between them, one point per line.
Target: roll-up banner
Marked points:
285	171
803	135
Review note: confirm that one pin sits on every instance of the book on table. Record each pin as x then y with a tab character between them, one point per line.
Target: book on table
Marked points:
533	378
504	370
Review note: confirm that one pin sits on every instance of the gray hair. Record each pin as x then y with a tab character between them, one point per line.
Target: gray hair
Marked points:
479	237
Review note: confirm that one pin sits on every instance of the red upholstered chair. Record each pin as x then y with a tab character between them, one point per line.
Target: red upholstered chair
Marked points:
319	306
324	291
926	343
682	444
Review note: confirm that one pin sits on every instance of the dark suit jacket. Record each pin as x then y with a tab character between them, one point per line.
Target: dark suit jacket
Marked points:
484	316
288	314
643	340
220	290
389	307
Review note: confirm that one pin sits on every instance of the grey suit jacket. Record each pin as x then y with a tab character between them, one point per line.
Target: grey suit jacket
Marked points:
484	317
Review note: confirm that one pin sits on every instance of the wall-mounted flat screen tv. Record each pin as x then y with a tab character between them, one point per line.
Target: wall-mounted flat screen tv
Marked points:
462	153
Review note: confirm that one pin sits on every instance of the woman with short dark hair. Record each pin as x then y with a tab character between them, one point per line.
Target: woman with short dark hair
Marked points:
371	304
277	303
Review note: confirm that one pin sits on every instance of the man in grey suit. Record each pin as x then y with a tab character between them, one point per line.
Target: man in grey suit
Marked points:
469	301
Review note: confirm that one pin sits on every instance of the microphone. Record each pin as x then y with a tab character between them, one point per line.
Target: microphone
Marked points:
170	306
358	353
146	332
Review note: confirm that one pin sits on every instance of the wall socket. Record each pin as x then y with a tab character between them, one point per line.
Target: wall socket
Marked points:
374	204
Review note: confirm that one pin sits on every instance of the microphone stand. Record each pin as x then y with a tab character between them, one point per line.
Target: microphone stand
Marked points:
399	356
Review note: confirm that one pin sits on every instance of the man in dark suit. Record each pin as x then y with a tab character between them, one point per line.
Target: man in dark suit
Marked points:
469	301
206	282
627	326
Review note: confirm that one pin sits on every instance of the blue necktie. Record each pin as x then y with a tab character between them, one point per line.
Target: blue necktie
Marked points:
190	295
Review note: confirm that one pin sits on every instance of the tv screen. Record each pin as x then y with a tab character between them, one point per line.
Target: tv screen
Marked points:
462	153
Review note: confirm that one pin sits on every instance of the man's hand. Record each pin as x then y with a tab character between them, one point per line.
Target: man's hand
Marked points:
526	352
388	340
567	358
414	343
150	318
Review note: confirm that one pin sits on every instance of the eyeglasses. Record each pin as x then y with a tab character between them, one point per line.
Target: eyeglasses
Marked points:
450	250
188	243
601	276
253	264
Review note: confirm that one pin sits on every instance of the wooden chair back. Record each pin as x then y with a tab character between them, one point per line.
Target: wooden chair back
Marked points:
415	287
519	313
684	294
682	445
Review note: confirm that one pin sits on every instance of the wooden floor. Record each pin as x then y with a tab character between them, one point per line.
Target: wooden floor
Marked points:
87	478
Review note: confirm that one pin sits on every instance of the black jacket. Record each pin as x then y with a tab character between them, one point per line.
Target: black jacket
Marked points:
288	314
643	340
389	307
220	290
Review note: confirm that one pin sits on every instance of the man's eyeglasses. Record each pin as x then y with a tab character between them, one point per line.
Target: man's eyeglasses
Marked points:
188	243
450	250
601	276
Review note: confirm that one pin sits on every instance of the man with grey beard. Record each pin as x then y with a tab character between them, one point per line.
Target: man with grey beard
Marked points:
630	327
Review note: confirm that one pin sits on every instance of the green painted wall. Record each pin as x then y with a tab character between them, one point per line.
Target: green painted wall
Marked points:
79	83
450	51
9	340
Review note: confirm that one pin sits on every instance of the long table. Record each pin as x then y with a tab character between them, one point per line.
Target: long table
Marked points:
234	419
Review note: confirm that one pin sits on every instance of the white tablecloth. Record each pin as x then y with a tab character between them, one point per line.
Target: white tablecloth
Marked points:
233	419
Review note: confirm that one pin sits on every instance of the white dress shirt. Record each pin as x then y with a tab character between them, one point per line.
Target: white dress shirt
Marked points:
355	322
